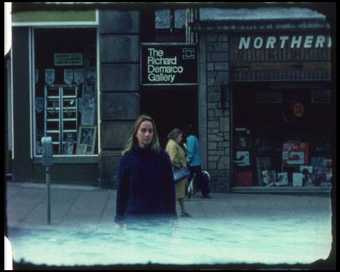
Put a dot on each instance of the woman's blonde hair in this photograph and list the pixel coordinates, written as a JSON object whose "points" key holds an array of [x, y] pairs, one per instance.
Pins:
{"points": [[132, 140]]}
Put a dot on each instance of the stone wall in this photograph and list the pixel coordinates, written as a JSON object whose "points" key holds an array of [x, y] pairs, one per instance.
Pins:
{"points": [[119, 38], [218, 110]]}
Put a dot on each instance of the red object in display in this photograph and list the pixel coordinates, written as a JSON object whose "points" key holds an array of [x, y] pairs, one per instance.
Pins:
{"points": [[295, 153], [244, 178]]}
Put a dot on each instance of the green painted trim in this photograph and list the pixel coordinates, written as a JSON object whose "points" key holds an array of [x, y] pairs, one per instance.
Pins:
{"points": [[54, 16]]}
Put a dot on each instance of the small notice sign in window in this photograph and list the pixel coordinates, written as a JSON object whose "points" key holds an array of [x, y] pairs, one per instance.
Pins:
{"points": [[68, 59]]}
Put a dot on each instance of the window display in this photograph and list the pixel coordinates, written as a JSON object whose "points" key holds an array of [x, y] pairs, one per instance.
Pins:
{"points": [[287, 152], [66, 98]]}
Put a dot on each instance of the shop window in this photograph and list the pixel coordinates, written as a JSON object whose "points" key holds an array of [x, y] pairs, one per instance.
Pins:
{"points": [[170, 25], [65, 95], [170, 19], [277, 139]]}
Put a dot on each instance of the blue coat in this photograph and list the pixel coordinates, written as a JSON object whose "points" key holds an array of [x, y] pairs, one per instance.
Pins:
{"points": [[145, 185], [193, 149]]}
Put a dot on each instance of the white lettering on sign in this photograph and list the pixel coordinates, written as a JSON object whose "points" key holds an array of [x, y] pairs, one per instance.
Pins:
{"points": [[293, 41], [296, 42], [160, 68], [283, 40]]}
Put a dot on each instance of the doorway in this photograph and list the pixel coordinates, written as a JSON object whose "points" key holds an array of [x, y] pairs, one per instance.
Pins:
{"points": [[170, 107]]}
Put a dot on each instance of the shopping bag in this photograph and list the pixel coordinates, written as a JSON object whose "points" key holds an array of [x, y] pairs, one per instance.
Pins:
{"points": [[180, 174]]}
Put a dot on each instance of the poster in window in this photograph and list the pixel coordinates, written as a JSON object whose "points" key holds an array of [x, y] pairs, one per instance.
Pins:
{"points": [[297, 179], [91, 75], [268, 177], [49, 76], [81, 149], [307, 172], [39, 149], [39, 104], [282, 179], [87, 107], [78, 75], [242, 158], [295, 153], [86, 136], [68, 76]]}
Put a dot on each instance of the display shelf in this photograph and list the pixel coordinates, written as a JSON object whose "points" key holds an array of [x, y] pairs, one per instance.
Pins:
{"points": [[54, 95]]}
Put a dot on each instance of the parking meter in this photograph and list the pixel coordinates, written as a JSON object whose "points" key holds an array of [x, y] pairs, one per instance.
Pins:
{"points": [[47, 161], [47, 151]]}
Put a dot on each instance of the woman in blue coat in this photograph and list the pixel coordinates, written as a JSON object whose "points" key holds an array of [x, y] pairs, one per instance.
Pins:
{"points": [[145, 181]]}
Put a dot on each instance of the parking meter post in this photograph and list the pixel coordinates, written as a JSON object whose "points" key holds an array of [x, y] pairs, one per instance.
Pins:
{"points": [[47, 156], [47, 176]]}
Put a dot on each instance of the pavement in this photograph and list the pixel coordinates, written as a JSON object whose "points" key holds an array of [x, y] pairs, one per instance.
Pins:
{"points": [[305, 220]]}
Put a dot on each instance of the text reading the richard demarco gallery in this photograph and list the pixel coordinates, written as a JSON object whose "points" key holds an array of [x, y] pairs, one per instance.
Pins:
{"points": [[162, 69]]}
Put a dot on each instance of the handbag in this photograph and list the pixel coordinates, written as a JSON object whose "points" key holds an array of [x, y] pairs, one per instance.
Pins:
{"points": [[180, 173]]}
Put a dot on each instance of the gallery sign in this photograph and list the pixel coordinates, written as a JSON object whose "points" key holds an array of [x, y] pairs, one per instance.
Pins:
{"points": [[168, 64]]}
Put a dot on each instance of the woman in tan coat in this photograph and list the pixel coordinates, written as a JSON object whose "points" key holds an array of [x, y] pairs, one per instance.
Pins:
{"points": [[178, 160]]}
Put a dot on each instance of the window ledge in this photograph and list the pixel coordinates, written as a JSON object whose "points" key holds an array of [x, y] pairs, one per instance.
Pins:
{"points": [[70, 160]]}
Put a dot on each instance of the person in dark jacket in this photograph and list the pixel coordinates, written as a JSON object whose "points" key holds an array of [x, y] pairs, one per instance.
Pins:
{"points": [[145, 182]]}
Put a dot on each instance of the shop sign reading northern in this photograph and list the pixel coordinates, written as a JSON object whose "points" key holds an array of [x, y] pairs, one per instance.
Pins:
{"points": [[285, 41], [288, 56], [168, 64]]}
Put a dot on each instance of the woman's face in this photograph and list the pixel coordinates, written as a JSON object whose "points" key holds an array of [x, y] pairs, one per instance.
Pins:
{"points": [[144, 134], [179, 138]]}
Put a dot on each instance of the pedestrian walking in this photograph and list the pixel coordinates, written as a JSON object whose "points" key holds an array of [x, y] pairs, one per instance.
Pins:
{"points": [[178, 160], [194, 163], [145, 182]]}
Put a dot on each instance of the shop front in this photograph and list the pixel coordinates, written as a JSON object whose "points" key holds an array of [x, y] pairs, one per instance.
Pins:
{"points": [[270, 101], [259, 92], [283, 111], [55, 93], [82, 75]]}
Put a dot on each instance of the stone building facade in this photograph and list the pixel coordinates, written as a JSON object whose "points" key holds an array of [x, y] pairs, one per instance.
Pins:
{"points": [[120, 34]]}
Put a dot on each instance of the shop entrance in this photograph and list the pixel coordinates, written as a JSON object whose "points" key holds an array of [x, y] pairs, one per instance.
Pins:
{"points": [[171, 107]]}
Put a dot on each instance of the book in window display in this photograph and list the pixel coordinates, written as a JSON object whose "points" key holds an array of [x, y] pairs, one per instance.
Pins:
{"points": [[262, 164], [81, 149], [86, 136], [268, 177], [307, 172], [282, 179], [297, 179], [68, 148], [69, 143], [322, 171]]}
